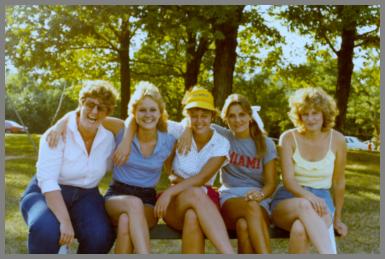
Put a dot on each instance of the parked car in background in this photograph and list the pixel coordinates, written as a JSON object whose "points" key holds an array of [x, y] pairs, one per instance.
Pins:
{"points": [[355, 143], [14, 127]]}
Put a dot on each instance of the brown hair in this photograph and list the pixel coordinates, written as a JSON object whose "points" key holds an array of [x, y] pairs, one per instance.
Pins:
{"points": [[255, 132], [99, 89], [143, 89]]}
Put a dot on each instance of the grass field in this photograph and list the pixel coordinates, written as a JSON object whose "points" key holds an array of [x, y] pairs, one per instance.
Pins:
{"points": [[361, 211]]}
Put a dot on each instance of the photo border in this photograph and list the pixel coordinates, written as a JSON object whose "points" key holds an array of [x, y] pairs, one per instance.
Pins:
{"points": [[196, 2]]}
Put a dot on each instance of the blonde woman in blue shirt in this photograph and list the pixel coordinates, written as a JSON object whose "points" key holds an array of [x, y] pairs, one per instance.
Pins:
{"points": [[313, 158], [131, 196], [191, 204]]}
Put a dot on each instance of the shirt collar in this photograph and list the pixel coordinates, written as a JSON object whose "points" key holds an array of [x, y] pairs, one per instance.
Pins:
{"points": [[211, 141], [158, 144], [72, 126]]}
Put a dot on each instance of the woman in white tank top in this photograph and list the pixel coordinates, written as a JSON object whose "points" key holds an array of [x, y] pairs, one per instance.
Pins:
{"points": [[313, 158]]}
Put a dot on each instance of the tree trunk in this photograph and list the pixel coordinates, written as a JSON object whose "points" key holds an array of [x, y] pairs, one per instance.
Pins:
{"points": [[345, 71], [125, 73], [225, 56], [194, 59]]}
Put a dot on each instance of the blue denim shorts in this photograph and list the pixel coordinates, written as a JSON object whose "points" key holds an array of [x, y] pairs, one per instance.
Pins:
{"points": [[147, 195], [226, 193], [282, 194]]}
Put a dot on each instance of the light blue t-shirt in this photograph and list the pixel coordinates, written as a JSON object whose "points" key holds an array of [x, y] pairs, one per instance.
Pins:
{"points": [[144, 171], [244, 169]]}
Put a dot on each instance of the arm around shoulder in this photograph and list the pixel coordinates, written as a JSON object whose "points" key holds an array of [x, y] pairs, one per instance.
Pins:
{"points": [[113, 124]]}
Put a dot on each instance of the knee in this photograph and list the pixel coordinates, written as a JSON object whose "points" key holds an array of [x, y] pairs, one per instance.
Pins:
{"points": [[134, 205], [241, 225], [123, 224], [97, 240], [253, 209], [298, 230], [192, 195], [304, 206], [191, 220], [191, 217], [46, 228]]}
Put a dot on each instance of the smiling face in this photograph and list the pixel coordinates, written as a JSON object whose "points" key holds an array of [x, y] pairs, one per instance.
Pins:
{"points": [[238, 120], [200, 120], [92, 112], [147, 113], [312, 119]]}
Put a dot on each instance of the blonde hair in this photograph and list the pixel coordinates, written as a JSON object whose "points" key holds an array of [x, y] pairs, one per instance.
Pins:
{"points": [[312, 98], [256, 133], [143, 89], [99, 89]]}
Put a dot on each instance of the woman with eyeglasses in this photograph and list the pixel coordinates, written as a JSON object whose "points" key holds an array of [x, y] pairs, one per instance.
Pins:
{"points": [[62, 201]]}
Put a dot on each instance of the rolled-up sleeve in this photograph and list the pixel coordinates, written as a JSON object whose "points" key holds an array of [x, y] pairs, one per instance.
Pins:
{"points": [[222, 148], [175, 128], [48, 165]]}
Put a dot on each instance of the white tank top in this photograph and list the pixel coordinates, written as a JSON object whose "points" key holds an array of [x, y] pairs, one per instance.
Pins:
{"points": [[315, 174]]}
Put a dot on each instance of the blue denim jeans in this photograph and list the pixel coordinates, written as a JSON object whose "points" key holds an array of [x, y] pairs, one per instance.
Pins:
{"points": [[90, 221]]}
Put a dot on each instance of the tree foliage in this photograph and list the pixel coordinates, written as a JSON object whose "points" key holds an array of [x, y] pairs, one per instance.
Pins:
{"points": [[223, 48], [342, 28]]}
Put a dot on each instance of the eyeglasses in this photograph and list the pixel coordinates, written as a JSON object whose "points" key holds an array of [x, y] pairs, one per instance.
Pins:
{"points": [[90, 105]]}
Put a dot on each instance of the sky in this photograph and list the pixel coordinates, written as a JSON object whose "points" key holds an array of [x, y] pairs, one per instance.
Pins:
{"points": [[294, 51]]}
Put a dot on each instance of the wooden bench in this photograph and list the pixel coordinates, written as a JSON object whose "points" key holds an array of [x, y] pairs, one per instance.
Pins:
{"points": [[162, 231]]}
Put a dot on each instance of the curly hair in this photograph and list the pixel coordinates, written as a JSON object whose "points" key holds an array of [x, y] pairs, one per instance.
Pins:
{"points": [[143, 89], [101, 90], [256, 133], [312, 98]]}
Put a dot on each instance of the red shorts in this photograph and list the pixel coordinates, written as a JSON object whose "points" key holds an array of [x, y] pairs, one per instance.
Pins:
{"points": [[210, 191], [213, 194]]}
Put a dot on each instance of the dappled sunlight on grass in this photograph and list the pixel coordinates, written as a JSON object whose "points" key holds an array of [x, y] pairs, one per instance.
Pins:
{"points": [[20, 144], [369, 195]]}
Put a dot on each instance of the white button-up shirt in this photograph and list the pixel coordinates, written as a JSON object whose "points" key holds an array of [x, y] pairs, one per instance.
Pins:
{"points": [[70, 164], [191, 164]]}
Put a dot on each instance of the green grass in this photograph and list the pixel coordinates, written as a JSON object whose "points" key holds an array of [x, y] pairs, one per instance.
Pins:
{"points": [[361, 211]]}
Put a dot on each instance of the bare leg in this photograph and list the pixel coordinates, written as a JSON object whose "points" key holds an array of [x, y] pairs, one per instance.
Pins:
{"points": [[208, 215], [298, 241], [256, 218], [244, 243], [287, 211], [137, 220], [193, 239], [123, 243]]}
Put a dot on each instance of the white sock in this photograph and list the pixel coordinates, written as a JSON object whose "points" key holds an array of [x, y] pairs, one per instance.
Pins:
{"points": [[332, 239]]}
